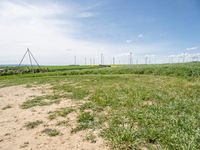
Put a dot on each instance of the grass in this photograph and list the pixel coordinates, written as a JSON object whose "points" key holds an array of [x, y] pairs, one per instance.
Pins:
{"points": [[62, 112], [41, 101], [63, 123], [71, 91], [150, 106], [85, 121], [34, 124], [79, 93], [90, 137], [51, 132], [11, 70], [90, 106]]}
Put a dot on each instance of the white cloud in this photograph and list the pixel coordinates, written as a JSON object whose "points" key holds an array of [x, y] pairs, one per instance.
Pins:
{"points": [[140, 35], [22, 11], [129, 41], [41, 27], [86, 15], [192, 48]]}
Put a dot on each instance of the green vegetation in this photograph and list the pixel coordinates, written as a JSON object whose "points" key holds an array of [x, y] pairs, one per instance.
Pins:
{"points": [[63, 123], [79, 93], [91, 106], [41, 101], [151, 106], [91, 138], [34, 124], [35, 69], [51, 132], [85, 121], [62, 112], [71, 91], [183, 69]]}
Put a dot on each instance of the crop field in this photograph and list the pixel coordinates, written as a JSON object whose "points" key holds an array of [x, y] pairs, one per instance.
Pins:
{"points": [[102, 107]]}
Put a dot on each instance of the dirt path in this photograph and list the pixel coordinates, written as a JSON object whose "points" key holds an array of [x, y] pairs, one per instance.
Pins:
{"points": [[14, 136]]}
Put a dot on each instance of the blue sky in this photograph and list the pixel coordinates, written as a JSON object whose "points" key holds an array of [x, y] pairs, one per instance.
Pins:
{"points": [[56, 30]]}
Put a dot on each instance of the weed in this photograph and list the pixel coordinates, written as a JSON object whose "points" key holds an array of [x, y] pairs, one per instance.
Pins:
{"points": [[51, 132], [63, 123], [90, 137], [70, 91], [91, 106], [85, 121], [41, 101], [34, 124], [62, 112], [79, 93]]}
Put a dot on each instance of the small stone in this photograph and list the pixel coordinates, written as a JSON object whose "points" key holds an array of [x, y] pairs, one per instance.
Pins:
{"points": [[26, 143], [7, 134]]}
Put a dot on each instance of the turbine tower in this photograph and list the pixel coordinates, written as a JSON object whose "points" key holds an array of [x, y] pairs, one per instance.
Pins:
{"points": [[102, 59], [113, 60], [131, 58]]}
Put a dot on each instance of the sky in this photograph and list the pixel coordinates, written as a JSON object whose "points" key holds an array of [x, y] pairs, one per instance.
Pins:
{"points": [[57, 30]]}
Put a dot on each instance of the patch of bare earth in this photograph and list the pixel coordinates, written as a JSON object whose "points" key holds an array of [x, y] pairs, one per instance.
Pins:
{"points": [[14, 135], [149, 102]]}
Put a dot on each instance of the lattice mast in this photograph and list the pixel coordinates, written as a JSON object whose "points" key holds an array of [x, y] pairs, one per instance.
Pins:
{"points": [[31, 58]]}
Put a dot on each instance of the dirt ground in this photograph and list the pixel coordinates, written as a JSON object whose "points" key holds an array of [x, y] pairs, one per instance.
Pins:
{"points": [[14, 135]]}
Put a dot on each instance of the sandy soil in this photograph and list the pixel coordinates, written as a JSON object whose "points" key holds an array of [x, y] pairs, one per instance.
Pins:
{"points": [[14, 136]]}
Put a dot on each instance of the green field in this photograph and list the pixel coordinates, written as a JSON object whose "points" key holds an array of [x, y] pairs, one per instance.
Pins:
{"points": [[134, 106]]}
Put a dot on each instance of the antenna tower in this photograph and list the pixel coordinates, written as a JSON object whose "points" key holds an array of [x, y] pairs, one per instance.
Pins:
{"points": [[31, 58]]}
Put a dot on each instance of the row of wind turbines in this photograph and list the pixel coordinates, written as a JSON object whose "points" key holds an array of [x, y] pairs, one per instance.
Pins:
{"points": [[147, 59], [127, 59]]}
